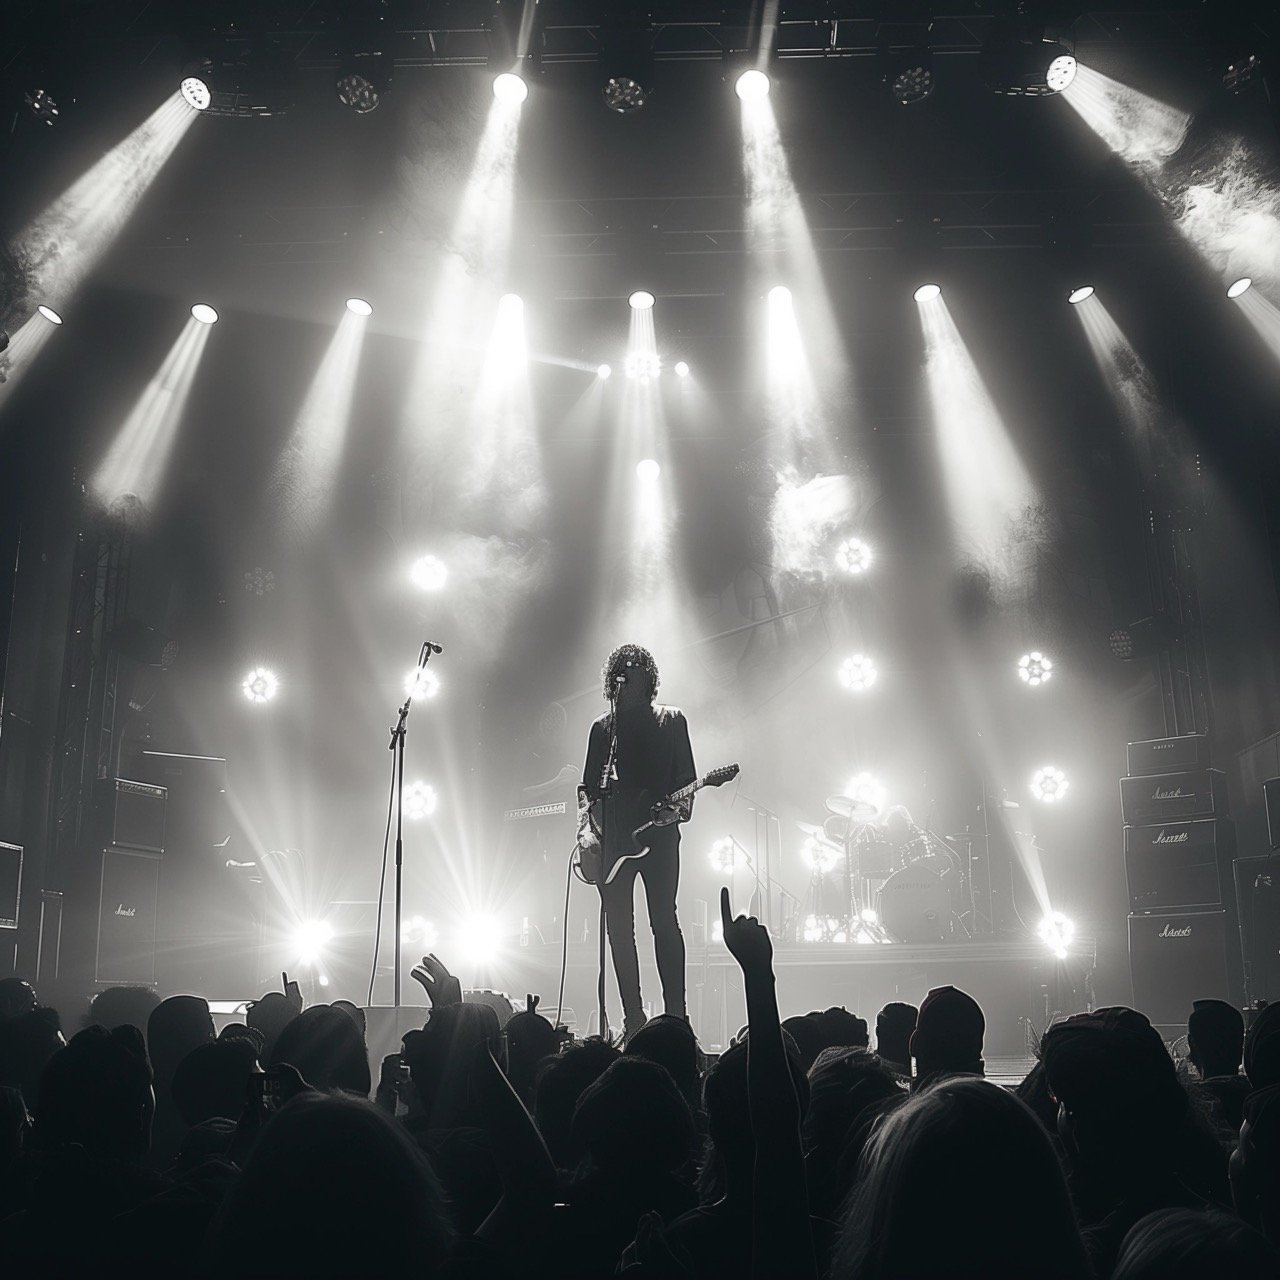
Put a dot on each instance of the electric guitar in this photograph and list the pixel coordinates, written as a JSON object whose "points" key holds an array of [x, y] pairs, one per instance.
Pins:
{"points": [[590, 858]]}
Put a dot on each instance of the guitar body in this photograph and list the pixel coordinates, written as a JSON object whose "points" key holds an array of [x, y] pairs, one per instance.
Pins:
{"points": [[598, 865]]}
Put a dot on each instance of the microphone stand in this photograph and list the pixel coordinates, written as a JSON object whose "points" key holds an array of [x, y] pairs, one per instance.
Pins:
{"points": [[396, 745], [608, 774]]}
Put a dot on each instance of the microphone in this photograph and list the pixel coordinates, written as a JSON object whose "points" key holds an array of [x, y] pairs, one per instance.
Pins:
{"points": [[431, 648], [619, 678]]}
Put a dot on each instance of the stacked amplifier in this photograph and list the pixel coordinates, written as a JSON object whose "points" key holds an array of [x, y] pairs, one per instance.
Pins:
{"points": [[130, 829], [1179, 844]]}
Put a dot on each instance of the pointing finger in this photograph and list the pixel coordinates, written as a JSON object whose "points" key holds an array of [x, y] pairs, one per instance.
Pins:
{"points": [[726, 911]]}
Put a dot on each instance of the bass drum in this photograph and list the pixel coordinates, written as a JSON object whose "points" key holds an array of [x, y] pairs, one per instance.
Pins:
{"points": [[915, 903]]}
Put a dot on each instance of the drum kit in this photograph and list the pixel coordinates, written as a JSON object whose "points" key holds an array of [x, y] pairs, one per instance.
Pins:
{"points": [[877, 877]]}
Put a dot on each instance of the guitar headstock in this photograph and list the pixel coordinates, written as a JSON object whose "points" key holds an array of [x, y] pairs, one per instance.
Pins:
{"points": [[726, 773]]}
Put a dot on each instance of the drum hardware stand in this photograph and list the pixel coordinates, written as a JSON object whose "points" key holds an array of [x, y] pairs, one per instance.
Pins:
{"points": [[860, 928]]}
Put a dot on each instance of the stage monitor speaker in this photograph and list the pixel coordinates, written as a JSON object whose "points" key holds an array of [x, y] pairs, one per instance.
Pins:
{"points": [[127, 917], [1258, 901], [1271, 799], [10, 884], [1168, 797], [1177, 864], [1176, 957], [1168, 755]]}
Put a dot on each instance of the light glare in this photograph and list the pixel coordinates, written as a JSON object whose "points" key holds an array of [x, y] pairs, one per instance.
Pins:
{"points": [[420, 800], [853, 556], [260, 685], [857, 673], [510, 88], [752, 85], [1049, 784], [1077, 296], [682, 369], [1057, 932], [421, 682], [726, 854], [310, 939], [819, 855], [359, 307], [927, 292], [429, 573], [641, 300], [1234, 290], [603, 371], [648, 469], [203, 312], [867, 789]]}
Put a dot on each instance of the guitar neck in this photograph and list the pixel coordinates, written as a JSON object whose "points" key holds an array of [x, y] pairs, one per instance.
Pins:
{"points": [[685, 792]]}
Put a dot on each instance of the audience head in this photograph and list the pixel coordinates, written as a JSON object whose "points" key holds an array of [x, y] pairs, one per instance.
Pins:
{"points": [[441, 1059], [1262, 1048], [948, 1035], [269, 1017], [960, 1181], [17, 996], [27, 1042], [1186, 1244], [1215, 1037], [354, 1012], [894, 1025], [334, 1188], [842, 1083], [834, 1028], [212, 1080], [174, 1028], [669, 1041], [122, 1006], [251, 1035], [530, 1039], [560, 1083], [1255, 1164], [326, 1047], [633, 1121], [1116, 1085], [96, 1094]]}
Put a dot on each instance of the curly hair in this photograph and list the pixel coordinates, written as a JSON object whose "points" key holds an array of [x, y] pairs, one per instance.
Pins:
{"points": [[629, 655]]}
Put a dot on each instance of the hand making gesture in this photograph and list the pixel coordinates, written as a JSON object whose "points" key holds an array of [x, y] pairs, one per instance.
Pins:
{"points": [[747, 939], [440, 985]]}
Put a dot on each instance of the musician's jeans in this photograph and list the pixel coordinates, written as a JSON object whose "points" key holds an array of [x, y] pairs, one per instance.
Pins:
{"points": [[660, 871]]}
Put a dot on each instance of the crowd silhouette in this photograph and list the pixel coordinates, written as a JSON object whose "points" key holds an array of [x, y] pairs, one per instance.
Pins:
{"points": [[145, 1142]]}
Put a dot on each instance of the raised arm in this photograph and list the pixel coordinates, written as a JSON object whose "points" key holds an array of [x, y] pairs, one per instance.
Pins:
{"points": [[781, 1243]]}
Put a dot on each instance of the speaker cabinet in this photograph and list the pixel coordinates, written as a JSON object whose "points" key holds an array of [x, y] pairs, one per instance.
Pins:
{"points": [[1176, 957], [1258, 900], [1178, 864], [127, 917], [1169, 797], [10, 884], [1168, 755]]}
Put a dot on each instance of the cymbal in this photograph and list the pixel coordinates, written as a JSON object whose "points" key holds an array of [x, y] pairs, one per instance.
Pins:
{"points": [[849, 807]]}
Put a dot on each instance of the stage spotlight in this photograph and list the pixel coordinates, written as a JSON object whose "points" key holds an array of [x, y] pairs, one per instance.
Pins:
{"points": [[49, 314], [626, 60], [641, 300], [642, 364], [1057, 932], [1019, 59], [359, 307], [260, 685], [195, 91], [819, 855], [867, 789], [1049, 784], [510, 88], [752, 85], [310, 939], [927, 292], [869, 915], [429, 573], [1237, 287], [913, 83], [203, 312], [857, 673], [648, 469], [853, 556], [363, 79], [725, 855], [682, 369], [779, 295], [480, 939], [420, 800], [1034, 668], [1144, 638], [603, 371], [418, 931], [1077, 296], [421, 682]]}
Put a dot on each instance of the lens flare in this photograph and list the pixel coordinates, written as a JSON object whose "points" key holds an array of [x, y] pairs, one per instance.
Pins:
{"points": [[420, 800], [857, 673], [641, 300], [1077, 296], [310, 938], [927, 292], [752, 85], [421, 682]]}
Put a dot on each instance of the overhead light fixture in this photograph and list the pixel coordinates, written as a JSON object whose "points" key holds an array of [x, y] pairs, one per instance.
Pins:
{"points": [[1078, 295], [641, 300], [927, 292], [682, 368], [49, 314], [1034, 669], [359, 307], [1237, 287], [1144, 638], [1020, 58], [241, 78], [510, 88], [626, 59], [752, 85], [41, 106], [260, 685], [203, 312], [1049, 784], [195, 89], [429, 573], [365, 68], [906, 60]]}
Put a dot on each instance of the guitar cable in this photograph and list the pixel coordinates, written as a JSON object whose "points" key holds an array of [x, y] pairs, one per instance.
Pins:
{"points": [[564, 934]]}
